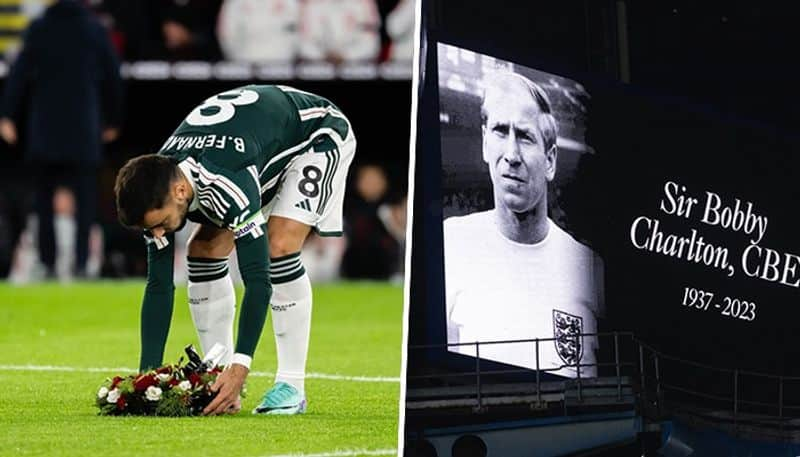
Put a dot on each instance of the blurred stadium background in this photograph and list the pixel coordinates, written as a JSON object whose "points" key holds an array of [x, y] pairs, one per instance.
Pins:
{"points": [[176, 53], [69, 335]]}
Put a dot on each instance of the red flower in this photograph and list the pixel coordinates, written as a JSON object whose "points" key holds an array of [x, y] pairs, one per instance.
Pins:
{"points": [[164, 370], [195, 379], [174, 382], [216, 370], [115, 382], [121, 402], [141, 383]]}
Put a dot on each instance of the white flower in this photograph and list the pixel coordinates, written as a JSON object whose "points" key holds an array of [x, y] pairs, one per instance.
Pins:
{"points": [[102, 392], [113, 396], [163, 377], [185, 385], [153, 393]]}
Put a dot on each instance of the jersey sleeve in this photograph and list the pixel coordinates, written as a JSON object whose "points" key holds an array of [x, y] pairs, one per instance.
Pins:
{"points": [[252, 252], [158, 300], [228, 195], [22, 72]]}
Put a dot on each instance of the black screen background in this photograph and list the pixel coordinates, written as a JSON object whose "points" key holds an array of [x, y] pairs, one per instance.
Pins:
{"points": [[705, 107]]}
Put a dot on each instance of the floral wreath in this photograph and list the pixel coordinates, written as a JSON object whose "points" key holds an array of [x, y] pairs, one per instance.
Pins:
{"points": [[183, 389]]}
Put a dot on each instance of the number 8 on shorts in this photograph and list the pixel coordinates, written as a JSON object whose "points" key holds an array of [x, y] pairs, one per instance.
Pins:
{"points": [[312, 191]]}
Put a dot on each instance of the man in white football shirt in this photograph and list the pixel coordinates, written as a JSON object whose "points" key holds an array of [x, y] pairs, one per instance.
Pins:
{"points": [[510, 272]]}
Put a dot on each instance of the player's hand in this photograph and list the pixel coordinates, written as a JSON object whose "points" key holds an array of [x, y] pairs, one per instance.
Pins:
{"points": [[228, 386], [8, 130], [110, 134]]}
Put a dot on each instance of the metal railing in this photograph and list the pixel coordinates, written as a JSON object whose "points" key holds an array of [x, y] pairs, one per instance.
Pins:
{"points": [[729, 395], [663, 384], [619, 366]]}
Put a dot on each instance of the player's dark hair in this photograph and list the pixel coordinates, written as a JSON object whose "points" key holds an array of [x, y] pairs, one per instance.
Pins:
{"points": [[142, 185]]}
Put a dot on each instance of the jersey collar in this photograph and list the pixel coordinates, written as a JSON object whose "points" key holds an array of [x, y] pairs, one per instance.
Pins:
{"points": [[186, 169]]}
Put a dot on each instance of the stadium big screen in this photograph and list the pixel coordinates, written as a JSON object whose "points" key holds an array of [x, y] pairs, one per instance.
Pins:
{"points": [[676, 219]]}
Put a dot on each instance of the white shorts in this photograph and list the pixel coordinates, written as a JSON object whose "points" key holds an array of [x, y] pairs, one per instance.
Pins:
{"points": [[313, 186]]}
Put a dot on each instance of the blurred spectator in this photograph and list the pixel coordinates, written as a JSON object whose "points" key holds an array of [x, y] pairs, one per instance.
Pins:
{"points": [[134, 35], [187, 28], [65, 210], [259, 30], [372, 252], [15, 186], [25, 267], [371, 183], [339, 30], [68, 74], [123, 253], [400, 27], [15, 204], [14, 18], [393, 216], [322, 257], [384, 7]]}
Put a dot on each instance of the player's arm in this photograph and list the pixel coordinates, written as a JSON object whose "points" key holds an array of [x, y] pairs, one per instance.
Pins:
{"points": [[252, 253], [232, 193], [110, 86], [157, 304], [17, 83]]}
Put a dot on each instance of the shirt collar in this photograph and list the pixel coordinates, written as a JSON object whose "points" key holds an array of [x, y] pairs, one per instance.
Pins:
{"points": [[186, 168]]}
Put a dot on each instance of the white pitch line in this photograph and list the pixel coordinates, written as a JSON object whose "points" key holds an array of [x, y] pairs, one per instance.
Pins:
{"points": [[60, 368], [260, 374], [337, 377], [344, 453]]}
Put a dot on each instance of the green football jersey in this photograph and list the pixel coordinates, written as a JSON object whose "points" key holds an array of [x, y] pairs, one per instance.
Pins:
{"points": [[249, 136], [234, 148]]}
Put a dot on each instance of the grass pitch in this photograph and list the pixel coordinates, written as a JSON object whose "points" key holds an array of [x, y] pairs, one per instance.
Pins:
{"points": [[59, 342]]}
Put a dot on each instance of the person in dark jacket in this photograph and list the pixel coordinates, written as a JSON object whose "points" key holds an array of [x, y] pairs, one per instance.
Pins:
{"points": [[372, 252], [187, 28], [66, 87]]}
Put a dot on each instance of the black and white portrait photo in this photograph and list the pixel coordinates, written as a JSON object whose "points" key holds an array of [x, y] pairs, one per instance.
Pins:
{"points": [[511, 137]]}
